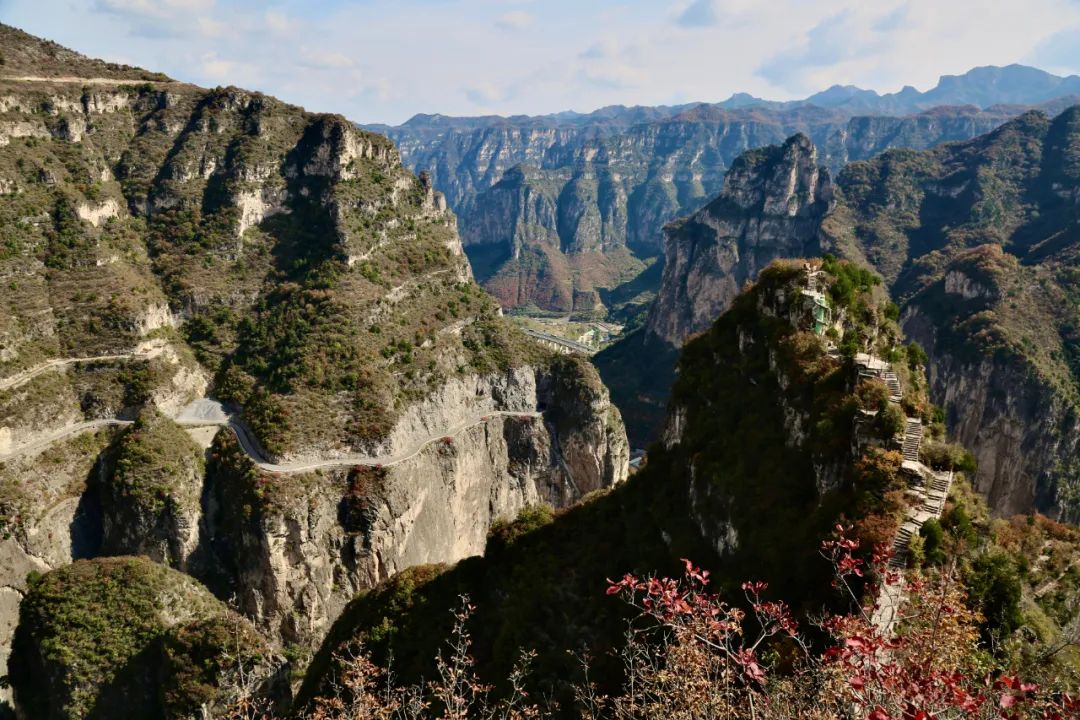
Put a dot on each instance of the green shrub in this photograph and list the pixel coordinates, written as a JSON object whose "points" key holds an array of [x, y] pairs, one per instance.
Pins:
{"points": [[916, 551], [891, 421], [933, 541], [957, 521], [994, 589], [916, 356], [89, 633], [504, 534], [947, 456]]}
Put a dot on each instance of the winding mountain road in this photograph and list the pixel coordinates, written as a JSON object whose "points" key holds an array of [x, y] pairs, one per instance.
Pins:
{"points": [[252, 451], [208, 412], [29, 374]]}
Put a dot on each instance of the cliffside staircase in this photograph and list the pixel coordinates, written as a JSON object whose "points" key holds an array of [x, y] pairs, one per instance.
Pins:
{"points": [[913, 434], [937, 493], [932, 486], [900, 545], [893, 383]]}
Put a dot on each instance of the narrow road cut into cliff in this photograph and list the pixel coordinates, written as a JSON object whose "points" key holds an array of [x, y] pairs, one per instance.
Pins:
{"points": [[206, 412]]}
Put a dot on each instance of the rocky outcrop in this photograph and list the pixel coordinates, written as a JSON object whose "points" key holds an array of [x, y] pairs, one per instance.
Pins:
{"points": [[151, 492], [771, 206], [125, 636], [296, 549], [984, 280]]}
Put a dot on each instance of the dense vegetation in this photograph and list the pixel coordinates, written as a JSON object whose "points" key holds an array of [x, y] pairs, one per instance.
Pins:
{"points": [[97, 637], [151, 457], [153, 487]]}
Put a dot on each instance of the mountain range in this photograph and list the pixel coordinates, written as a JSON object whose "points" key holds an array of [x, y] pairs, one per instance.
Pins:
{"points": [[564, 212]]}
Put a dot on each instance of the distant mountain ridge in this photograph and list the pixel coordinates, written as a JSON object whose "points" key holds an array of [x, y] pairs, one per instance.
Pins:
{"points": [[564, 211], [983, 87]]}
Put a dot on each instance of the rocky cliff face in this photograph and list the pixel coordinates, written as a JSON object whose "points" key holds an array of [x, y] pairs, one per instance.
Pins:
{"points": [[297, 548], [592, 191], [1007, 394], [166, 242], [972, 240], [49, 517], [1022, 431], [150, 487], [771, 205]]}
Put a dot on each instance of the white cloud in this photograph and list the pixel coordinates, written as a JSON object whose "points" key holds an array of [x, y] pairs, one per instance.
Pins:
{"points": [[884, 48], [163, 18], [277, 21], [599, 51], [1058, 53], [325, 60], [711, 13], [516, 20], [215, 67], [700, 13], [384, 60], [484, 94]]}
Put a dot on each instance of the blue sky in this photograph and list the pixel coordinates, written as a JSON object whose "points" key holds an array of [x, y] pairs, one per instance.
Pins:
{"points": [[384, 60]]}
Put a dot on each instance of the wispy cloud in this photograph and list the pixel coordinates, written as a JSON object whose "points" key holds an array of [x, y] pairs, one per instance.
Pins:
{"points": [[700, 13], [163, 18], [516, 20], [377, 60], [325, 60], [1058, 53], [835, 39], [278, 22]]}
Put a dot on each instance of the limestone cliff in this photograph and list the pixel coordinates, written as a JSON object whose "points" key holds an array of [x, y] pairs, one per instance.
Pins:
{"points": [[48, 517], [294, 549], [771, 205], [973, 240], [166, 242], [1006, 393]]}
